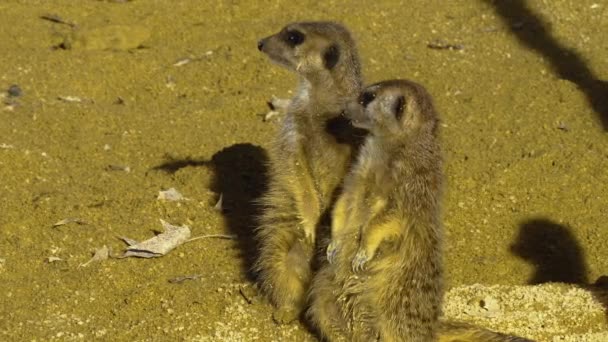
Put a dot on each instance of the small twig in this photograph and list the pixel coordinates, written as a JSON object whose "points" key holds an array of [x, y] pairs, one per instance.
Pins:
{"points": [[181, 279], [56, 19], [440, 45], [213, 236], [68, 220]]}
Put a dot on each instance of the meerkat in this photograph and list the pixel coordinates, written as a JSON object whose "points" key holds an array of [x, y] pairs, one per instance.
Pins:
{"points": [[384, 276], [309, 158], [384, 279]]}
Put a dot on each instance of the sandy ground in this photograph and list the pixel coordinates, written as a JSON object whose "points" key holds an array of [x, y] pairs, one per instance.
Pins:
{"points": [[117, 100]]}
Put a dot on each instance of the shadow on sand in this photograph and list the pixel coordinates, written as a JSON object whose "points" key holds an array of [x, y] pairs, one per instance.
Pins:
{"points": [[557, 256], [534, 33], [553, 250], [240, 179]]}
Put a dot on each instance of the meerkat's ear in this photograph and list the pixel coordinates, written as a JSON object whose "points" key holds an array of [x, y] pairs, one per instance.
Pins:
{"points": [[331, 56], [398, 107]]}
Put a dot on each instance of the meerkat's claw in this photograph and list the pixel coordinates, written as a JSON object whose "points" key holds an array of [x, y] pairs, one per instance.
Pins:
{"points": [[359, 261], [284, 315], [332, 251], [310, 236]]}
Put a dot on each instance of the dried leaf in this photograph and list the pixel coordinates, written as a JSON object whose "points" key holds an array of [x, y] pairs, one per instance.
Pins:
{"points": [[182, 61], [101, 254], [170, 195], [113, 167], [128, 241], [159, 245], [69, 220], [70, 99], [53, 259], [220, 202]]}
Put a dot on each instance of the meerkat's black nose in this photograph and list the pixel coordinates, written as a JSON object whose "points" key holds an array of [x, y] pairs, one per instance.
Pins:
{"points": [[261, 44]]}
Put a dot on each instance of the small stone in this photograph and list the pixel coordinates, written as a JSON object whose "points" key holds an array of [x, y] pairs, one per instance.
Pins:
{"points": [[562, 126], [170, 194], [491, 305], [14, 91]]}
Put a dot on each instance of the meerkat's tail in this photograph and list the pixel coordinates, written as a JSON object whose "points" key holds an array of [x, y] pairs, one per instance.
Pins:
{"points": [[463, 332], [283, 265]]}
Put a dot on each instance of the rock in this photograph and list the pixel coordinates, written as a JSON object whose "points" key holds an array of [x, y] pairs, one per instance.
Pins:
{"points": [[112, 37]]}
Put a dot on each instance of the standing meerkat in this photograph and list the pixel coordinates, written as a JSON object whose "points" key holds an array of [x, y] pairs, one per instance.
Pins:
{"points": [[309, 158], [385, 274], [384, 279]]}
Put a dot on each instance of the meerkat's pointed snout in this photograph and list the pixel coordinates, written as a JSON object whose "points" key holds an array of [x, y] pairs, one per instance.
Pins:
{"points": [[355, 110], [261, 44]]}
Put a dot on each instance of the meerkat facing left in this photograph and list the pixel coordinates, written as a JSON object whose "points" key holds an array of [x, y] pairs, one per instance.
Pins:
{"points": [[309, 158], [384, 279], [385, 275]]}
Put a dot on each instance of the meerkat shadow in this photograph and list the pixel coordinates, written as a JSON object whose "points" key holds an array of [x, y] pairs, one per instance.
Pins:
{"points": [[553, 250], [239, 179], [534, 33]]}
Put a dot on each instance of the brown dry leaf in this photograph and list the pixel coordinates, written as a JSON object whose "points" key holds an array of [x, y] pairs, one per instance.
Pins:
{"points": [[101, 254], [159, 245], [219, 204], [53, 259], [69, 220]]}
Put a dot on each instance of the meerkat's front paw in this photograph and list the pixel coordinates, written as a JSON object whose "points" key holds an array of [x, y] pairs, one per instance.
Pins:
{"points": [[332, 251], [278, 104], [277, 107], [285, 315], [359, 261], [310, 236]]}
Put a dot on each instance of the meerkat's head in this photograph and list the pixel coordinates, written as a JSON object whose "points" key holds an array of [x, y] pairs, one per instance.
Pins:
{"points": [[397, 108], [316, 50]]}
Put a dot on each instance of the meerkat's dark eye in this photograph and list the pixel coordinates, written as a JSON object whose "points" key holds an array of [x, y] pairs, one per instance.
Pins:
{"points": [[366, 97], [294, 38], [398, 107]]}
